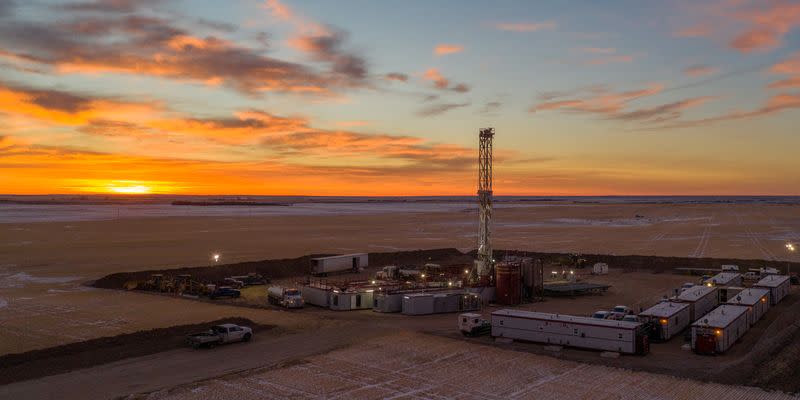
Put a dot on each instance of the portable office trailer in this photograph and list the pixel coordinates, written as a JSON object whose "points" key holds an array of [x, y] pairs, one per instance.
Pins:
{"points": [[755, 299], [778, 286], [667, 319], [567, 330], [701, 299], [316, 295], [351, 300], [387, 302], [442, 302], [725, 279], [718, 330], [345, 262]]}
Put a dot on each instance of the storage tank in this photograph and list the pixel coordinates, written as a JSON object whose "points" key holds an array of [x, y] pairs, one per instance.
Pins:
{"points": [[508, 282]]}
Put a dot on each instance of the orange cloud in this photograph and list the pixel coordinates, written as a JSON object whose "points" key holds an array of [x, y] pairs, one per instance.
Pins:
{"points": [[444, 49], [442, 83], [598, 102], [789, 67], [526, 26], [777, 103], [746, 25]]}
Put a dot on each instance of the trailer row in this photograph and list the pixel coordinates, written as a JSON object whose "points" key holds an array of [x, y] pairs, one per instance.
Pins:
{"points": [[715, 326], [409, 302]]}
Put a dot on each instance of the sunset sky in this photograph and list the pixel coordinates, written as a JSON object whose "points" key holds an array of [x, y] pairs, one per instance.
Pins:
{"points": [[386, 97]]}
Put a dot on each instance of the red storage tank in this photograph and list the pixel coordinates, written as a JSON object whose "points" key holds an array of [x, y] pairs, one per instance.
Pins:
{"points": [[508, 281]]}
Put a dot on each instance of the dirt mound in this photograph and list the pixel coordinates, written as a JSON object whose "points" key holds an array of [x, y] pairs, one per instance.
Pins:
{"points": [[61, 359], [282, 268], [293, 267]]}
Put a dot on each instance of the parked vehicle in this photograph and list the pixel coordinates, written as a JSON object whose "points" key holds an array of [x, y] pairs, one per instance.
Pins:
{"points": [[619, 312], [751, 276], [220, 334], [730, 268], [225, 291], [285, 297], [631, 318], [471, 324], [601, 314]]}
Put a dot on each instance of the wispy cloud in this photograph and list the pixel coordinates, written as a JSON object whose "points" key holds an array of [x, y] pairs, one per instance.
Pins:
{"points": [[525, 26], [396, 76], [700, 70], [445, 49], [442, 83], [746, 25], [790, 67], [438, 109]]}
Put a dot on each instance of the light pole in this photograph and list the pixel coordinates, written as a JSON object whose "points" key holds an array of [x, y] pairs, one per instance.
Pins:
{"points": [[791, 248]]}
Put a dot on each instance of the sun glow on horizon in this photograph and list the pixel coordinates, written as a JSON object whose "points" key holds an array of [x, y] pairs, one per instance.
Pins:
{"points": [[133, 189]]}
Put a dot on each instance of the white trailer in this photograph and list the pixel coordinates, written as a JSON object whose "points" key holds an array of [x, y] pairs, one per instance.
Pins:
{"points": [[345, 262], [701, 299], [725, 279], [778, 286], [755, 299], [718, 330], [387, 302], [667, 319], [567, 330], [351, 300]]}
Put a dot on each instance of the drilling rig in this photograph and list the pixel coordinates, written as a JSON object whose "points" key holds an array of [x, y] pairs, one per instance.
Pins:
{"points": [[484, 263]]}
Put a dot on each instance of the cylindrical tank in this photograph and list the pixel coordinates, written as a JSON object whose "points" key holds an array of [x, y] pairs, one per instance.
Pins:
{"points": [[508, 282]]}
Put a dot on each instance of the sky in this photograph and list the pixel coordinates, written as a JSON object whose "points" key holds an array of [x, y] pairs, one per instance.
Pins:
{"points": [[361, 97]]}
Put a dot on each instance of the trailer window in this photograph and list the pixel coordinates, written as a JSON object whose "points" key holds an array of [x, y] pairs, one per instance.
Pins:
{"points": [[620, 336]]}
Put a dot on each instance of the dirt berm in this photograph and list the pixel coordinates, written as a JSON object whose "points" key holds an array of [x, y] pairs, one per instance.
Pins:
{"points": [[69, 357], [292, 267]]}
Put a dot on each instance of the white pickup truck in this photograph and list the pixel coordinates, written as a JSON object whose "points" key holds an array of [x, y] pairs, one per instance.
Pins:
{"points": [[220, 334]]}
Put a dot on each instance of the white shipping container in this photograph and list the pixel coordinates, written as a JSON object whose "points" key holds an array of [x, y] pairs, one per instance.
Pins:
{"points": [[355, 300], [718, 330], [755, 299], [726, 279], [440, 302], [345, 262], [567, 330], [418, 304], [669, 318], [701, 299], [778, 286]]}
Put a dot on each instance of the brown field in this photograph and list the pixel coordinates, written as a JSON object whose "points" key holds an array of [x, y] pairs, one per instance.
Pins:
{"points": [[43, 302]]}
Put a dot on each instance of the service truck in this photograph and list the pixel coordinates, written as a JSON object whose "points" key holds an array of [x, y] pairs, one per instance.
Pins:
{"points": [[285, 297], [220, 334]]}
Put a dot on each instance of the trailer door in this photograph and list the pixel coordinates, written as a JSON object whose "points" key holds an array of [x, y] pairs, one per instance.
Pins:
{"points": [[356, 263]]}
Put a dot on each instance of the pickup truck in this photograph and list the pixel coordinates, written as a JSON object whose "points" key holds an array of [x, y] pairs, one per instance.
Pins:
{"points": [[224, 291], [220, 334], [471, 324]]}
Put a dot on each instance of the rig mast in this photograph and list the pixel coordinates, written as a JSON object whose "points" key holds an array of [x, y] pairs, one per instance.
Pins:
{"points": [[484, 264]]}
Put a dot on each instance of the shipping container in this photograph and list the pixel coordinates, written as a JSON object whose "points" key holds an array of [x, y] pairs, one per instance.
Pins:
{"points": [[318, 295], [667, 319], [725, 279], [718, 330], [755, 299], [442, 302], [566, 330], [778, 286], [701, 299], [345, 262], [351, 300], [600, 269], [387, 302]]}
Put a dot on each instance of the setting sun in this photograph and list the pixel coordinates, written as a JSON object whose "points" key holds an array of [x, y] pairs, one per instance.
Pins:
{"points": [[135, 189]]}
